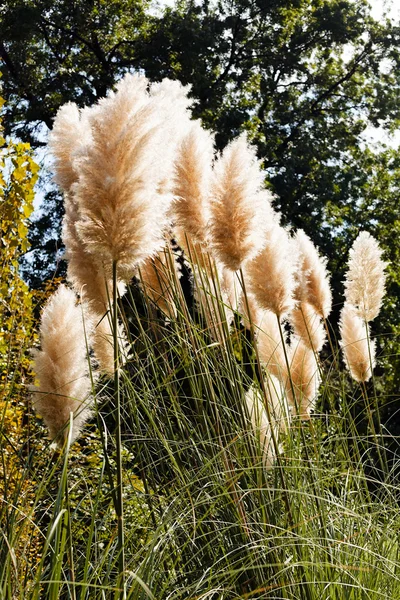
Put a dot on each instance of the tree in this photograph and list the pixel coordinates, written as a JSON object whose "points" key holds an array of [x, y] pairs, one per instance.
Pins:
{"points": [[18, 173]]}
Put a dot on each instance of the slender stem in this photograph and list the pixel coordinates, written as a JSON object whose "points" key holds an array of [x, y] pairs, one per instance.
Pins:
{"points": [[378, 440], [70, 545], [119, 503]]}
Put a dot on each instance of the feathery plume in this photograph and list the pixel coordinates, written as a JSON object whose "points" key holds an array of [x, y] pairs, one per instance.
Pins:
{"points": [[269, 342], [240, 207], [365, 279], [61, 366], [308, 326], [158, 281], [230, 289], [193, 170], [214, 300], [358, 349], [259, 417], [270, 275], [304, 378], [103, 345], [249, 310], [312, 277], [123, 213], [94, 286], [70, 135]]}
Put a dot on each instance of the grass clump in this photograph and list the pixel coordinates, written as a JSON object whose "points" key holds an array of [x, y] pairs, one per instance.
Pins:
{"points": [[226, 452]]}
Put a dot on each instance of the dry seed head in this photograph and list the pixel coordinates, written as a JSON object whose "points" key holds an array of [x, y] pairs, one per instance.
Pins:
{"points": [[308, 326], [270, 275], [157, 279], [259, 417], [269, 341], [358, 350], [61, 366], [67, 141], [312, 277], [304, 378], [122, 190], [193, 170], [365, 279], [240, 207]]}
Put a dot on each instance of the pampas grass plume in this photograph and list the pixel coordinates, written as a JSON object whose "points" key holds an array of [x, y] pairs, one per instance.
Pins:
{"points": [[308, 326], [312, 277], [261, 425], [193, 170], [270, 275], [70, 134], [61, 366], [303, 384], [239, 205], [365, 279], [358, 349], [122, 189]]}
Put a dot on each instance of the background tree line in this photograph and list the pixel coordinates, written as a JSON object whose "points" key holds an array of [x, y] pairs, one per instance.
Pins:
{"points": [[306, 79]]}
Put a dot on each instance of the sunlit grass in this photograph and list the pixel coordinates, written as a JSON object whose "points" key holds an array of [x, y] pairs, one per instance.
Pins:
{"points": [[203, 518]]}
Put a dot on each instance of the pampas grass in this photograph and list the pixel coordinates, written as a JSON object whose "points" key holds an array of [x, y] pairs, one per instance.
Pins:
{"points": [[63, 385], [364, 290], [365, 279], [264, 430], [304, 378], [240, 207], [193, 171], [270, 275], [200, 412], [122, 189], [308, 326], [312, 278], [358, 348], [312, 292]]}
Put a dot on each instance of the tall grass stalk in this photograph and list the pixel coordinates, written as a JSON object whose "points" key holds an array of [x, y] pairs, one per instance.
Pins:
{"points": [[118, 440]]}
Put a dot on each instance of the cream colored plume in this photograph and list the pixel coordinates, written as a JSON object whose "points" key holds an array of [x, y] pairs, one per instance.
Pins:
{"points": [[61, 366], [240, 207], [308, 326], [122, 190], [303, 384], [358, 350], [158, 277], [94, 286], [270, 275], [67, 141], [249, 310], [230, 289], [267, 336], [259, 417], [270, 347], [215, 300], [193, 170], [365, 279], [312, 278]]}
